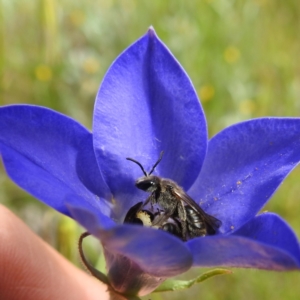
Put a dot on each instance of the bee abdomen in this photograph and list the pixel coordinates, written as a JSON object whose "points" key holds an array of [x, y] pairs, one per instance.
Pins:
{"points": [[172, 228]]}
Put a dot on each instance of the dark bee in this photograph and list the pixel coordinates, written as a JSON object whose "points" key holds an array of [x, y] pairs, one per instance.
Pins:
{"points": [[138, 216], [173, 200], [195, 225], [173, 228]]}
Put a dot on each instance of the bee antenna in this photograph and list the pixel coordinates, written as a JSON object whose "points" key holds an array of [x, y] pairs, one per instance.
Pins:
{"points": [[135, 161], [158, 161]]}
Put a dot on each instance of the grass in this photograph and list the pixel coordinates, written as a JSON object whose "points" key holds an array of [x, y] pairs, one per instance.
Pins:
{"points": [[242, 57]]}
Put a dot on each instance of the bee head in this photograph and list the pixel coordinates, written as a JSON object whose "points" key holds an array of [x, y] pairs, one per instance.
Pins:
{"points": [[148, 183]]}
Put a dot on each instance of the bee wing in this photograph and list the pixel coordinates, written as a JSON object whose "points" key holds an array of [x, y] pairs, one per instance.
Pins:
{"points": [[209, 220]]}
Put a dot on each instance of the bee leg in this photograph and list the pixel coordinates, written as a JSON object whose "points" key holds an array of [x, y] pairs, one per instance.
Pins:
{"points": [[182, 217], [184, 230], [160, 219], [150, 199]]}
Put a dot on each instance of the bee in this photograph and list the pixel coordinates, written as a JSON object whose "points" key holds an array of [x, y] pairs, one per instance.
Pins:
{"points": [[175, 204], [195, 225], [138, 216]]}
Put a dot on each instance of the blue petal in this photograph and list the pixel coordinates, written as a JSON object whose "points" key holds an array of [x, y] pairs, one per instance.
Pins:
{"points": [[147, 104], [266, 242], [79, 211], [271, 229], [154, 251], [134, 281], [50, 156], [245, 164]]}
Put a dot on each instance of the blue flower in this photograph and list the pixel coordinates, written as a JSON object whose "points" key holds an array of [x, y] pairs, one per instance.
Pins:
{"points": [[147, 104]]}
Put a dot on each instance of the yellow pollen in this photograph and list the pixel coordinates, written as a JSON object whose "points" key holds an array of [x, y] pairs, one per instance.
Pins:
{"points": [[144, 217]]}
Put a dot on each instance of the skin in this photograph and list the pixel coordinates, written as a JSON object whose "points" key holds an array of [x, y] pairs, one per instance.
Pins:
{"points": [[31, 269]]}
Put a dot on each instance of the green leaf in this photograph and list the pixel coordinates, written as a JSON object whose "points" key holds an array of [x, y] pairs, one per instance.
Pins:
{"points": [[175, 285]]}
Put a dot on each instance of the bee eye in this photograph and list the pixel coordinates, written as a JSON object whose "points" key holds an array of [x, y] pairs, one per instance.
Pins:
{"points": [[146, 184]]}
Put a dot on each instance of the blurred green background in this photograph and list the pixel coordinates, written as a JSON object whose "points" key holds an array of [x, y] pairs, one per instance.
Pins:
{"points": [[242, 56]]}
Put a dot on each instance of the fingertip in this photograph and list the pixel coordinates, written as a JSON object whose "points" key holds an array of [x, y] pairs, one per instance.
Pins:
{"points": [[31, 269]]}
